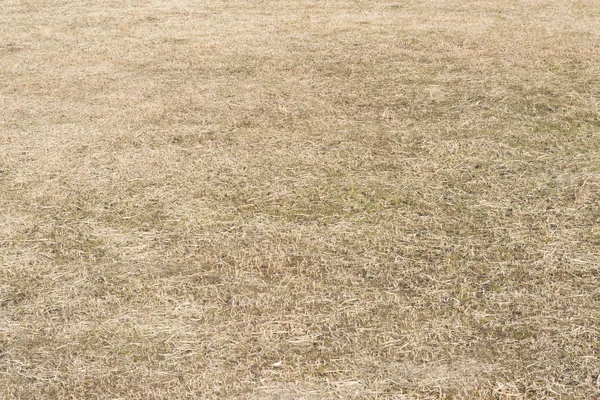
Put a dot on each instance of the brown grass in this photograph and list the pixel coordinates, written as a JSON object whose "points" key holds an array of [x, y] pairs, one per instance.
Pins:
{"points": [[394, 199]]}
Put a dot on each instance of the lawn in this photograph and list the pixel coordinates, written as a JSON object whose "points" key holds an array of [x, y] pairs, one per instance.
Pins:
{"points": [[278, 199]]}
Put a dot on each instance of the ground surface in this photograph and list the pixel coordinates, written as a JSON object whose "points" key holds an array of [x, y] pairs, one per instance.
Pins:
{"points": [[391, 199]]}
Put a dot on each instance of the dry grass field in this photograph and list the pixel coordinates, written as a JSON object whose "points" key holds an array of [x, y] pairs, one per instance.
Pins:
{"points": [[299, 199]]}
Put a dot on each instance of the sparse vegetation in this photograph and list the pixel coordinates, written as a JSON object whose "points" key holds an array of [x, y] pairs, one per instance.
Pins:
{"points": [[300, 199]]}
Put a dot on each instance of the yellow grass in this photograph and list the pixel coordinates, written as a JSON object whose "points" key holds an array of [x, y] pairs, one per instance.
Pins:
{"points": [[299, 199]]}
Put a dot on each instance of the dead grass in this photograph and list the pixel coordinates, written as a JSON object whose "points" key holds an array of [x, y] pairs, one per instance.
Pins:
{"points": [[394, 199]]}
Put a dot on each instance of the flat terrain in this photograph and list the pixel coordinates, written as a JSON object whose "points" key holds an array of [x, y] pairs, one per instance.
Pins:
{"points": [[299, 199]]}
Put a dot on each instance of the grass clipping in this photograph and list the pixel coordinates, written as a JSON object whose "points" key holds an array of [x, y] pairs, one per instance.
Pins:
{"points": [[299, 199]]}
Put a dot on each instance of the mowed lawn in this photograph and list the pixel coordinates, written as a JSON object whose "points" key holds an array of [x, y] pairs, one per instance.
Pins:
{"points": [[309, 199]]}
